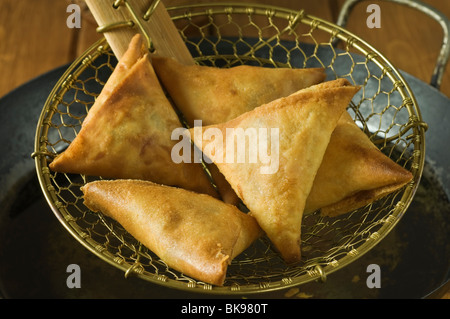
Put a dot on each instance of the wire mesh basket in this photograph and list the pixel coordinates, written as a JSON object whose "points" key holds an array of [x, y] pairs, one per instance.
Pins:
{"points": [[223, 36]]}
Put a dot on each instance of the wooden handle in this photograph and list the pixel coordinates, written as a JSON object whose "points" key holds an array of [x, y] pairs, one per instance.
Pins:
{"points": [[119, 21]]}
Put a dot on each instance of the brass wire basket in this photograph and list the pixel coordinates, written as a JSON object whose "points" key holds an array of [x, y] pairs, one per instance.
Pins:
{"points": [[226, 35]]}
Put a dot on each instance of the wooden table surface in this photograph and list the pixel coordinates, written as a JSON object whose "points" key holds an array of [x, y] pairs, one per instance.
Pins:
{"points": [[34, 37]]}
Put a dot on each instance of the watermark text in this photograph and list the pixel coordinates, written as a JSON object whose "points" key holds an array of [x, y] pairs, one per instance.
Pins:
{"points": [[239, 145]]}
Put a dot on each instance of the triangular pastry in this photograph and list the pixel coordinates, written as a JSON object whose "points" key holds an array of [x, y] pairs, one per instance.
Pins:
{"points": [[136, 50], [217, 95], [353, 173], [305, 121], [193, 233], [127, 132]]}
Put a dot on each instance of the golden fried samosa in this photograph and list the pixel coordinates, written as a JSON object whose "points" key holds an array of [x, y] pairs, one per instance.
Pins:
{"points": [[275, 188], [136, 50], [217, 95], [353, 173], [127, 132], [193, 233]]}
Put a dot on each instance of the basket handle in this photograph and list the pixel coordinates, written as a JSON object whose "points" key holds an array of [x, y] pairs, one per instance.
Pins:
{"points": [[442, 60], [120, 20]]}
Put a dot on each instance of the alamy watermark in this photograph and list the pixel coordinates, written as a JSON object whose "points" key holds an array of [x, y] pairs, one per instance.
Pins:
{"points": [[374, 279], [74, 18], [74, 279], [249, 145], [374, 18]]}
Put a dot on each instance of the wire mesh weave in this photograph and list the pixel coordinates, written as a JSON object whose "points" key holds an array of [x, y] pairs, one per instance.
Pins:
{"points": [[223, 36]]}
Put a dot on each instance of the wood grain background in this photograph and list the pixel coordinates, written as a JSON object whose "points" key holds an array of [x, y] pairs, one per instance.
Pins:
{"points": [[34, 37]]}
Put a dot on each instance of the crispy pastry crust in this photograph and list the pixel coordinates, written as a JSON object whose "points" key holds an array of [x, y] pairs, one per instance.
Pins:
{"points": [[217, 95], [127, 132], [306, 120], [193, 233], [353, 173]]}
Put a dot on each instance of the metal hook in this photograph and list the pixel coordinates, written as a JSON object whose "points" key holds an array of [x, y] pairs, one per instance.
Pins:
{"points": [[151, 9], [136, 20]]}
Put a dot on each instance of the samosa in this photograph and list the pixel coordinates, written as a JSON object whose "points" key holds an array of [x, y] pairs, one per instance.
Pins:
{"points": [[216, 95], [127, 131], [193, 233], [353, 173], [304, 122]]}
